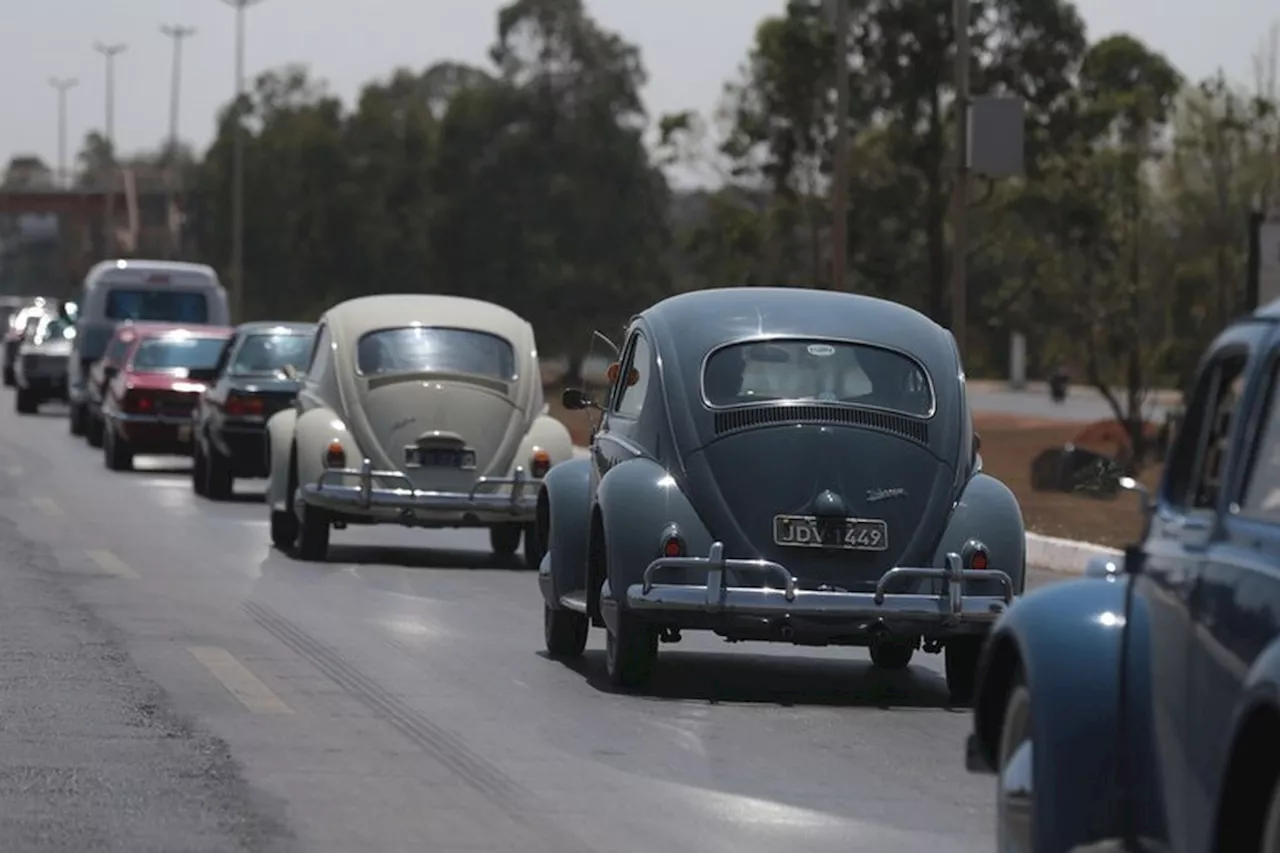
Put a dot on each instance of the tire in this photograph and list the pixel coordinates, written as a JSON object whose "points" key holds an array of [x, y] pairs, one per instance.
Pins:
{"points": [[1271, 829], [75, 420], [962, 654], [117, 455], [92, 430], [892, 654], [504, 539], [1015, 779], [219, 478], [198, 474], [9, 379], [534, 548], [630, 655], [565, 632], [26, 402], [313, 535], [284, 529]]}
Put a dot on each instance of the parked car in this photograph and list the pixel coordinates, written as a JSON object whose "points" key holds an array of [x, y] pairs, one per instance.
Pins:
{"points": [[41, 372], [1134, 708], [417, 410], [148, 404], [256, 377], [22, 324], [101, 372], [142, 291], [780, 464]]}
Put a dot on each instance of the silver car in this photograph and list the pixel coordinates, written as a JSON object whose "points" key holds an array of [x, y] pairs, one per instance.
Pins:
{"points": [[40, 368]]}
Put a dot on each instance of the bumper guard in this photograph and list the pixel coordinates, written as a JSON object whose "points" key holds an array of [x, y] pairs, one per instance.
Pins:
{"points": [[951, 608], [398, 494]]}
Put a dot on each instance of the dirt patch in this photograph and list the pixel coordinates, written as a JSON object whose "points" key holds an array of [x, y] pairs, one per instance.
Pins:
{"points": [[1009, 443]]}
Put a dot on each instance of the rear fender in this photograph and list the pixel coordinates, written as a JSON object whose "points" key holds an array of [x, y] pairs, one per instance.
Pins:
{"points": [[547, 434], [987, 511], [564, 524], [1066, 639], [280, 427], [638, 501], [312, 433]]}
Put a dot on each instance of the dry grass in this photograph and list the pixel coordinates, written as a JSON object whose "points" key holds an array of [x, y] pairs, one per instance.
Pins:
{"points": [[1008, 446]]}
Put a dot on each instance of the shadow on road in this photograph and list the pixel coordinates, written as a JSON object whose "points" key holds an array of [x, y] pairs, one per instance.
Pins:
{"points": [[788, 682], [423, 558]]}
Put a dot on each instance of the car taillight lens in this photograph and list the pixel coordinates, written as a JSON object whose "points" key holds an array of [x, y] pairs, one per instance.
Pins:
{"points": [[541, 463], [240, 406], [673, 547], [978, 560], [334, 455], [139, 402]]}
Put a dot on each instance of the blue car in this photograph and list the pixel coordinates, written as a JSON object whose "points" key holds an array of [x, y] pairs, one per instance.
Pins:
{"points": [[1138, 708]]}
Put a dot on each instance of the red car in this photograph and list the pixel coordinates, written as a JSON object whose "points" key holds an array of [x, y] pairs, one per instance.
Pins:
{"points": [[102, 372], [148, 404]]}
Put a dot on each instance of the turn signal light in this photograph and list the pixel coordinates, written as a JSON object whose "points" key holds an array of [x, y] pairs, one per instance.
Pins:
{"points": [[334, 455], [541, 463], [239, 406]]}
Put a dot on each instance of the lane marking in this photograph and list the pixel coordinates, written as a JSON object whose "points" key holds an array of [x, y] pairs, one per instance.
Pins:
{"points": [[239, 681], [48, 506], [112, 565]]}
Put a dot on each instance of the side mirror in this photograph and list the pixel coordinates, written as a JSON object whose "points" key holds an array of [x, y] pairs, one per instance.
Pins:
{"points": [[576, 400]]}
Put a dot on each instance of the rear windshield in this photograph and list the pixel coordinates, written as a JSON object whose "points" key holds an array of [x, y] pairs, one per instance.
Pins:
{"points": [[267, 355], [172, 353], [830, 371], [164, 306], [422, 348]]}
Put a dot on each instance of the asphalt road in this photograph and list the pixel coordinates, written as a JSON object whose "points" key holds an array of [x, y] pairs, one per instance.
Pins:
{"points": [[173, 684]]}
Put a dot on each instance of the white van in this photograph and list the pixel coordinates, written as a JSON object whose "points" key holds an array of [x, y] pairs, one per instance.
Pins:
{"points": [[141, 291]]}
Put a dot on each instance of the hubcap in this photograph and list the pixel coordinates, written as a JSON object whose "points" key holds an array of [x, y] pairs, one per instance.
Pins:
{"points": [[1015, 793]]}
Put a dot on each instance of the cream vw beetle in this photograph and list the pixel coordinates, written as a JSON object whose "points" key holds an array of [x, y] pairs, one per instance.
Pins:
{"points": [[419, 410]]}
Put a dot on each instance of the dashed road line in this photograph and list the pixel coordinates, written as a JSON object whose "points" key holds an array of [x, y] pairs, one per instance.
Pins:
{"points": [[111, 564], [239, 681], [48, 506]]}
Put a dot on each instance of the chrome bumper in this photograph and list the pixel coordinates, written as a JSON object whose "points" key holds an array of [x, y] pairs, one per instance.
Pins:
{"points": [[404, 501], [157, 420], [951, 608]]}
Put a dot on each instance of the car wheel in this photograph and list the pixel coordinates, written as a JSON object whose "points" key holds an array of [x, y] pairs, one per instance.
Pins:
{"points": [[284, 529], [962, 654], [197, 470], [75, 420], [26, 402], [534, 549], [892, 654], [1015, 780], [116, 453], [219, 477], [631, 654], [313, 535], [9, 379], [565, 632], [93, 429], [504, 539], [1271, 830]]}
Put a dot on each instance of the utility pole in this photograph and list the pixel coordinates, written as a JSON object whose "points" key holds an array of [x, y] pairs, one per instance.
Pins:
{"points": [[109, 53], [840, 172], [62, 85], [237, 179], [960, 200], [177, 33]]}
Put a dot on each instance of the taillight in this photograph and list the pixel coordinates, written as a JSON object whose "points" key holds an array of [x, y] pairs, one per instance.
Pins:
{"points": [[139, 402], [975, 556], [541, 463], [241, 406], [334, 455], [672, 542]]}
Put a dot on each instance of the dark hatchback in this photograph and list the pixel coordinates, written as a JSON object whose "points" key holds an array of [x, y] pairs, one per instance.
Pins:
{"points": [[255, 379]]}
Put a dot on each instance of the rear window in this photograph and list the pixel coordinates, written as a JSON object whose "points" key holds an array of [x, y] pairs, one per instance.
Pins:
{"points": [[174, 353], [165, 306], [267, 355], [829, 371], [436, 350]]}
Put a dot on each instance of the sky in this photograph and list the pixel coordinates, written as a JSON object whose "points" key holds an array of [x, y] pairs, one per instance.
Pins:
{"points": [[690, 47]]}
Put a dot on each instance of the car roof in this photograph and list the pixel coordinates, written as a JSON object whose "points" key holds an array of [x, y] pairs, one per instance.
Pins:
{"points": [[194, 330], [260, 327], [699, 321], [149, 265], [363, 314]]}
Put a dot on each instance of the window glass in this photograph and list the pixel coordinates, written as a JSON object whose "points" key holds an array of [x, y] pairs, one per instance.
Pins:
{"points": [[430, 349], [829, 371], [164, 306], [177, 353], [1262, 487], [268, 354], [1199, 460], [635, 382]]}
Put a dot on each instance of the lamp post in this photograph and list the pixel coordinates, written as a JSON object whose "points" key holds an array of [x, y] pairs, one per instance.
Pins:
{"points": [[840, 170], [109, 53], [62, 85], [178, 34]]}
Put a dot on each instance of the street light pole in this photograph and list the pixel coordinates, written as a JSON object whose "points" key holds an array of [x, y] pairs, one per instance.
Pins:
{"points": [[237, 179], [960, 200], [840, 172], [177, 33], [109, 53], [62, 85]]}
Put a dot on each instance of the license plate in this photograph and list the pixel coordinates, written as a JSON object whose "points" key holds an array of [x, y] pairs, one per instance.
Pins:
{"points": [[847, 534], [439, 457]]}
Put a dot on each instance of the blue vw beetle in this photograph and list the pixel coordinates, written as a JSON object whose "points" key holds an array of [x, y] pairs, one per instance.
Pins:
{"points": [[779, 464], [1135, 710]]}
